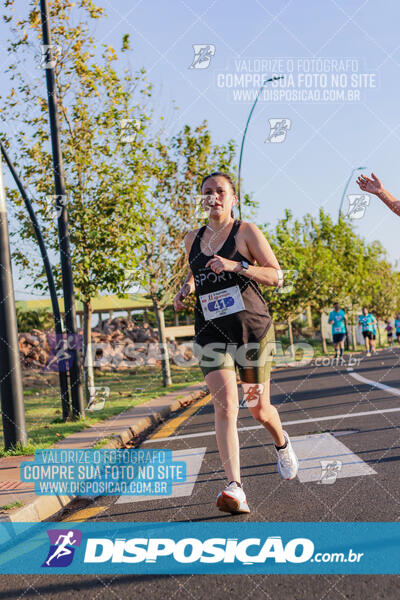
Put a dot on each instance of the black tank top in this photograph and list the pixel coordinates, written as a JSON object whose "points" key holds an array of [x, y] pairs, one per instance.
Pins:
{"points": [[247, 325]]}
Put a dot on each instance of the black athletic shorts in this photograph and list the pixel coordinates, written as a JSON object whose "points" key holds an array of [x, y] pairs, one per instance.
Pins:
{"points": [[369, 335], [338, 337], [254, 363]]}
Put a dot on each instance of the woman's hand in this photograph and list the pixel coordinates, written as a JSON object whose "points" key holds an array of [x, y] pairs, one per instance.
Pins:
{"points": [[219, 264], [373, 185], [180, 296]]}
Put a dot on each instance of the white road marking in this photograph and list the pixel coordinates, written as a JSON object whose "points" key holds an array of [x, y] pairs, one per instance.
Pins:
{"points": [[297, 422], [360, 378], [377, 384], [193, 459], [344, 432], [312, 449]]}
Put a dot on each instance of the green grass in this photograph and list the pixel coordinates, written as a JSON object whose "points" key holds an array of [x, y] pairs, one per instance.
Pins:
{"points": [[43, 405], [12, 505], [101, 443]]}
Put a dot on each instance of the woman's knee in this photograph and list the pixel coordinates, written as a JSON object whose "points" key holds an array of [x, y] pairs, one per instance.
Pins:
{"points": [[223, 387], [225, 407], [263, 414], [261, 408]]}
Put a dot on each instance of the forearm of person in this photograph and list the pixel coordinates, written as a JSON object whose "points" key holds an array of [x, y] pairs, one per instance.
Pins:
{"points": [[390, 201], [263, 275], [190, 281]]}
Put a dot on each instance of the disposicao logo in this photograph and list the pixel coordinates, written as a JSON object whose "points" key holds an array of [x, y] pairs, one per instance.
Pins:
{"points": [[62, 547], [190, 550]]}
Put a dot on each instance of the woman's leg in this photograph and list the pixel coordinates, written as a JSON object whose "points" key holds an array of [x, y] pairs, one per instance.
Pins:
{"points": [[367, 343], [223, 387], [256, 368], [257, 397]]}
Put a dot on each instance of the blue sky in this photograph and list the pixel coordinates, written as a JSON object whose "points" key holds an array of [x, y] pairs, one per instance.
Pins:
{"points": [[326, 139]]}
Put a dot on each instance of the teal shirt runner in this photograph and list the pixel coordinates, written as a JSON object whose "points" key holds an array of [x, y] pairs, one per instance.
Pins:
{"points": [[338, 325], [366, 322]]}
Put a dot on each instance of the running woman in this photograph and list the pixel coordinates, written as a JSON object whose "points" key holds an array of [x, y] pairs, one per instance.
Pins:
{"points": [[233, 328], [337, 318], [397, 326], [367, 322], [389, 332], [374, 186]]}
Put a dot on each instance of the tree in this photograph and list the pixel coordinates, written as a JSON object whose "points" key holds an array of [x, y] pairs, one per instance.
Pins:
{"points": [[34, 319], [103, 119], [348, 253], [289, 247], [396, 291], [320, 259], [332, 263]]}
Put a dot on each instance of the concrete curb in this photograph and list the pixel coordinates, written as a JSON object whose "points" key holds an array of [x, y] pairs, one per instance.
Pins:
{"points": [[144, 425], [39, 508]]}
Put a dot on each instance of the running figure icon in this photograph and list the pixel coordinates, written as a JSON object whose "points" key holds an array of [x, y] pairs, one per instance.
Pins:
{"points": [[62, 550]]}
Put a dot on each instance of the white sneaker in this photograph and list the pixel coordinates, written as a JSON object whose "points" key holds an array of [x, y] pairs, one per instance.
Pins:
{"points": [[232, 499], [288, 465]]}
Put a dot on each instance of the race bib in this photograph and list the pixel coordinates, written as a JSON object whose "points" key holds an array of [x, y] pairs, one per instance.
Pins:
{"points": [[221, 303], [366, 326], [337, 329]]}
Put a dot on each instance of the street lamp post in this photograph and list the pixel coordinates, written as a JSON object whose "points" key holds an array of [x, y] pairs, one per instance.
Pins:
{"points": [[62, 364], [244, 136], [63, 234], [11, 391], [347, 185]]}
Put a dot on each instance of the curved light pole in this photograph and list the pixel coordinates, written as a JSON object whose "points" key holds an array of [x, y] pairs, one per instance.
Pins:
{"points": [[62, 364], [346, 186], [244, 136], [78, 410]]}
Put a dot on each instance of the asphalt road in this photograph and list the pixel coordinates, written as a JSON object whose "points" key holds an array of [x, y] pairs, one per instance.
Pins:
{"points": [[311, 400]]}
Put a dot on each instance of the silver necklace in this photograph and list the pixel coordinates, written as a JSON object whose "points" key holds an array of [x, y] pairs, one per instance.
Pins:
{"points": [[214, 234]]}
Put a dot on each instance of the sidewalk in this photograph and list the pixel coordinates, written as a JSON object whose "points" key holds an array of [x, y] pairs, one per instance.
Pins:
{"points": [[127, 426]]}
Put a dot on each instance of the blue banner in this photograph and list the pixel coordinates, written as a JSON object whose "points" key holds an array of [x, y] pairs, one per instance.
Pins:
{"points": [[191, 548], [89, 472]]}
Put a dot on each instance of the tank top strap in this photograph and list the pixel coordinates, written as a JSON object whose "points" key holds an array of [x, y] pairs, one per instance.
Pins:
{"points": [[200, 232], [195, 249], [230, 240], [235, 227]]}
